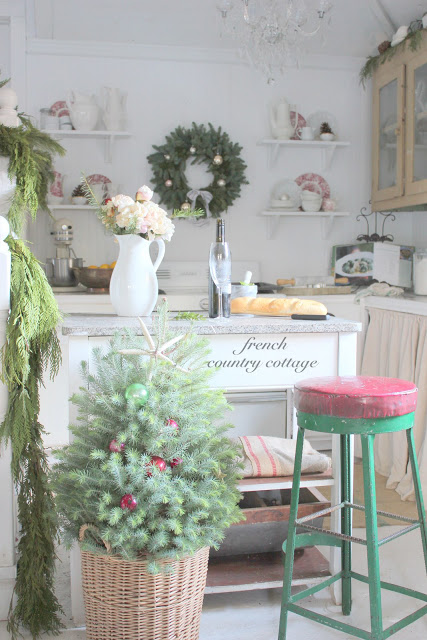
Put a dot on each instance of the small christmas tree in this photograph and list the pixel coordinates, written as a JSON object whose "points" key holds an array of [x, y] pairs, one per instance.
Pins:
{"points": [[149, 465]]}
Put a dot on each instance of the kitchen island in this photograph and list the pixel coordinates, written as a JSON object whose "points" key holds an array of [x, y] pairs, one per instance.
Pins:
{"points": [[258, 360]]}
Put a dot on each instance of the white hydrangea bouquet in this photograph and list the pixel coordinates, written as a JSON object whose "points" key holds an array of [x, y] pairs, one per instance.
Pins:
{"points": [[123, 215]]}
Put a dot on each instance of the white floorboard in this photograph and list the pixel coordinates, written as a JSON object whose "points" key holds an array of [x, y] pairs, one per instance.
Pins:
{"points": [[255, 615]]}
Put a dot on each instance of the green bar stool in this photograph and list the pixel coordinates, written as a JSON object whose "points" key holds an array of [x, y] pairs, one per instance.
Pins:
{"points": [[346, 406]]}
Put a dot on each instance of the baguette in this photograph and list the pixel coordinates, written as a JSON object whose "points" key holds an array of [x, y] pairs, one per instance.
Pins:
{"points": [[277, 306]]}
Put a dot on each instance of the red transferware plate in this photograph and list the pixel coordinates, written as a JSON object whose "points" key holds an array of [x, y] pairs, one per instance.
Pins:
{"points": [[314, 182], [301, 123], [59, 108], [97, 178]]}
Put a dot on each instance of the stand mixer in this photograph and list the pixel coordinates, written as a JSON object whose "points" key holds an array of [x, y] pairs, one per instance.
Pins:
{"points": [[59, 270]]}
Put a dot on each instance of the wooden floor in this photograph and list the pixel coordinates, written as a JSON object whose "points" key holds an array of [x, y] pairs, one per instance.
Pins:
{"points": [[387, 499]]}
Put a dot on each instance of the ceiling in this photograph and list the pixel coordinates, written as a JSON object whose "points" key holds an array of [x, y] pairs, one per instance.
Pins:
{"points": [[356, 27]]}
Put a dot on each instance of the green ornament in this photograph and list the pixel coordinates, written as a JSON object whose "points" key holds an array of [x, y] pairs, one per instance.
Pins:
{"points": [[137, 393]]}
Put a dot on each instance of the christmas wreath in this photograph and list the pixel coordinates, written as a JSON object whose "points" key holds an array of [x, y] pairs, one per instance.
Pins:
{"points": [[200, 144]]}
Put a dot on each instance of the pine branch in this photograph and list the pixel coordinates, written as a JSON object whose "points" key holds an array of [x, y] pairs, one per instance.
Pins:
{"points": [[31, 349]]}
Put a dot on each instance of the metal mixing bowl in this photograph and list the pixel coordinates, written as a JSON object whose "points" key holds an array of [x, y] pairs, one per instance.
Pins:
{"points": [[96, 280]]}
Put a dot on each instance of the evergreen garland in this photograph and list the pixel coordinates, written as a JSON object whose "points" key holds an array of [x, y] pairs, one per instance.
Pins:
{"points": [[31, 348], [177, 509], [413, 40], [30, 154], [170, 159]]}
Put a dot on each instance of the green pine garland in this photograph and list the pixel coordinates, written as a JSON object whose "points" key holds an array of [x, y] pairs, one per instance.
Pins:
{"points": [[30, 154], [31, 348], [170, 159], [178, 510], [413, 40]]}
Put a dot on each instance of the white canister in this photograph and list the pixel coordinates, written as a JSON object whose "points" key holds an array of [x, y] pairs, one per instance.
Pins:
{"points": [[420, 272]]}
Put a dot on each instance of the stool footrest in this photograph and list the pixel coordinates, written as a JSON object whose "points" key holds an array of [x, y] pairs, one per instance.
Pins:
{"points": [[349, 629], [333, 534], [315, 588], [302, 522], [329, 622]]}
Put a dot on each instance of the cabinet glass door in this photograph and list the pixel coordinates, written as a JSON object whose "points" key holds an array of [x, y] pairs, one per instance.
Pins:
{"points": [[388, 134], [416, 125]]}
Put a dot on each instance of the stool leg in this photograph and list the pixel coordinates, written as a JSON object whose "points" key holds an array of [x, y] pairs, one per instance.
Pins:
{"points": [[418, 492], [290, 543], [346, 523], [372, 536]]}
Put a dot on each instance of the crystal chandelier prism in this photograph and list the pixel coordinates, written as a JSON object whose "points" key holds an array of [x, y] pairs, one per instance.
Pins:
{"points": [[271, 33]]}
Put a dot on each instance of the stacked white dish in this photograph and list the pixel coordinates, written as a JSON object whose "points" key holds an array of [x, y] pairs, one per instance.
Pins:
{"points": [[286, 196], [310, 200]]}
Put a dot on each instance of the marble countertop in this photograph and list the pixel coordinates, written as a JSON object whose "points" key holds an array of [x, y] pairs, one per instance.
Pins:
{"points": [[107, 325]]}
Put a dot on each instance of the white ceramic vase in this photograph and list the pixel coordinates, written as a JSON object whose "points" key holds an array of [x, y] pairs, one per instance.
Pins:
{"points": [[133, 286]]}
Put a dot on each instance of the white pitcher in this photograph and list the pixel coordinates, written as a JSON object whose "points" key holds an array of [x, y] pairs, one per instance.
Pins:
{"points": [[114, 103], [133, 285], [83, 111], [280, 120]]}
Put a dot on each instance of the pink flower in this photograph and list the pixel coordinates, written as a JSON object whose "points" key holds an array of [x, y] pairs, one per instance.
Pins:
{"points": [[144, 192]]}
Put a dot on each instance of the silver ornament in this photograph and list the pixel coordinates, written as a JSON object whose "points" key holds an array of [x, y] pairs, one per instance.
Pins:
{"points": [[221, 183], [218, 159], [186, 206], [167, 156], [192, 149], [168, 183]]}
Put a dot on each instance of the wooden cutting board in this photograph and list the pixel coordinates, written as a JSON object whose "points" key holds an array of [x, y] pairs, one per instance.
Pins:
{"points": [[316, 291]]}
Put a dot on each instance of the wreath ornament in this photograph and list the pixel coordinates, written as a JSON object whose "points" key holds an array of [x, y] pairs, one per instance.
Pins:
{"points": [[198, 145]]}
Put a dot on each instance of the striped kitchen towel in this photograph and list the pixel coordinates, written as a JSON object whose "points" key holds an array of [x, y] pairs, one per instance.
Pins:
{"points": [[267, 457]]}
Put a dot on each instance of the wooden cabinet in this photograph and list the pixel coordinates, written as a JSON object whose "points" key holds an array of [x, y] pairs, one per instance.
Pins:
{"points": [[399, 140]]}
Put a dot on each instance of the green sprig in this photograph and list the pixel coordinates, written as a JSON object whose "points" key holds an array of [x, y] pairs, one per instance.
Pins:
{"points": [[189, 315]]}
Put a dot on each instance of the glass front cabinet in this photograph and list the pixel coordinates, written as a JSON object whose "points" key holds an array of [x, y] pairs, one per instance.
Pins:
{"points": [[399, 141]]}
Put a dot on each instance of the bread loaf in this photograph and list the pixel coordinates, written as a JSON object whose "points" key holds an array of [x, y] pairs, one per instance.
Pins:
{"points": [[277, 306]]}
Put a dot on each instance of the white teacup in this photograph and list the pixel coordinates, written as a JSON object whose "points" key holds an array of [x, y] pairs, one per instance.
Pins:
{"points": [[306, 133]]}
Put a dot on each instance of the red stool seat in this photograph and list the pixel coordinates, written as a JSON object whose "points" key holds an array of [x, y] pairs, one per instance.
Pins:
{"points": [[356, 396]]}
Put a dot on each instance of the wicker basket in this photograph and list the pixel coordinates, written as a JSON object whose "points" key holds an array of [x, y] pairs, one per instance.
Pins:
{"points": [[125, 602]]}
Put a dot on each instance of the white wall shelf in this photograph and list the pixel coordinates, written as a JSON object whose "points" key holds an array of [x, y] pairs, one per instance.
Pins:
{"points": [[327, 217], [72, 207], [108, 136], [327, 148]]}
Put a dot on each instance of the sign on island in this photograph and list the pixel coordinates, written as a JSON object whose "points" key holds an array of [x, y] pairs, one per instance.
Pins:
{"points": [[271, 360]]}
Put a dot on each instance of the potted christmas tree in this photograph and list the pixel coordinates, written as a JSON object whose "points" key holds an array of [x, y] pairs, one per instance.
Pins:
{"points": [[147, 485]]}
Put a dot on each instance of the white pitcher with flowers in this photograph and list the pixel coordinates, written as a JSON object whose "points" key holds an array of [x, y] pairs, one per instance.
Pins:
{"points": [[136, 224]]}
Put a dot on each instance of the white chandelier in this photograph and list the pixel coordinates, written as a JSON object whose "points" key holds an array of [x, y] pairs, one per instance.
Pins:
{"points": [[271, 33]]}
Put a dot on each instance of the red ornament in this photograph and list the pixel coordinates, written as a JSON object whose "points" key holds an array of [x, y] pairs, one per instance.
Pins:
{"points": [[107, 200], [172, 423], [128, 502], [176, 461], [116, 447], [158, 462]]}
